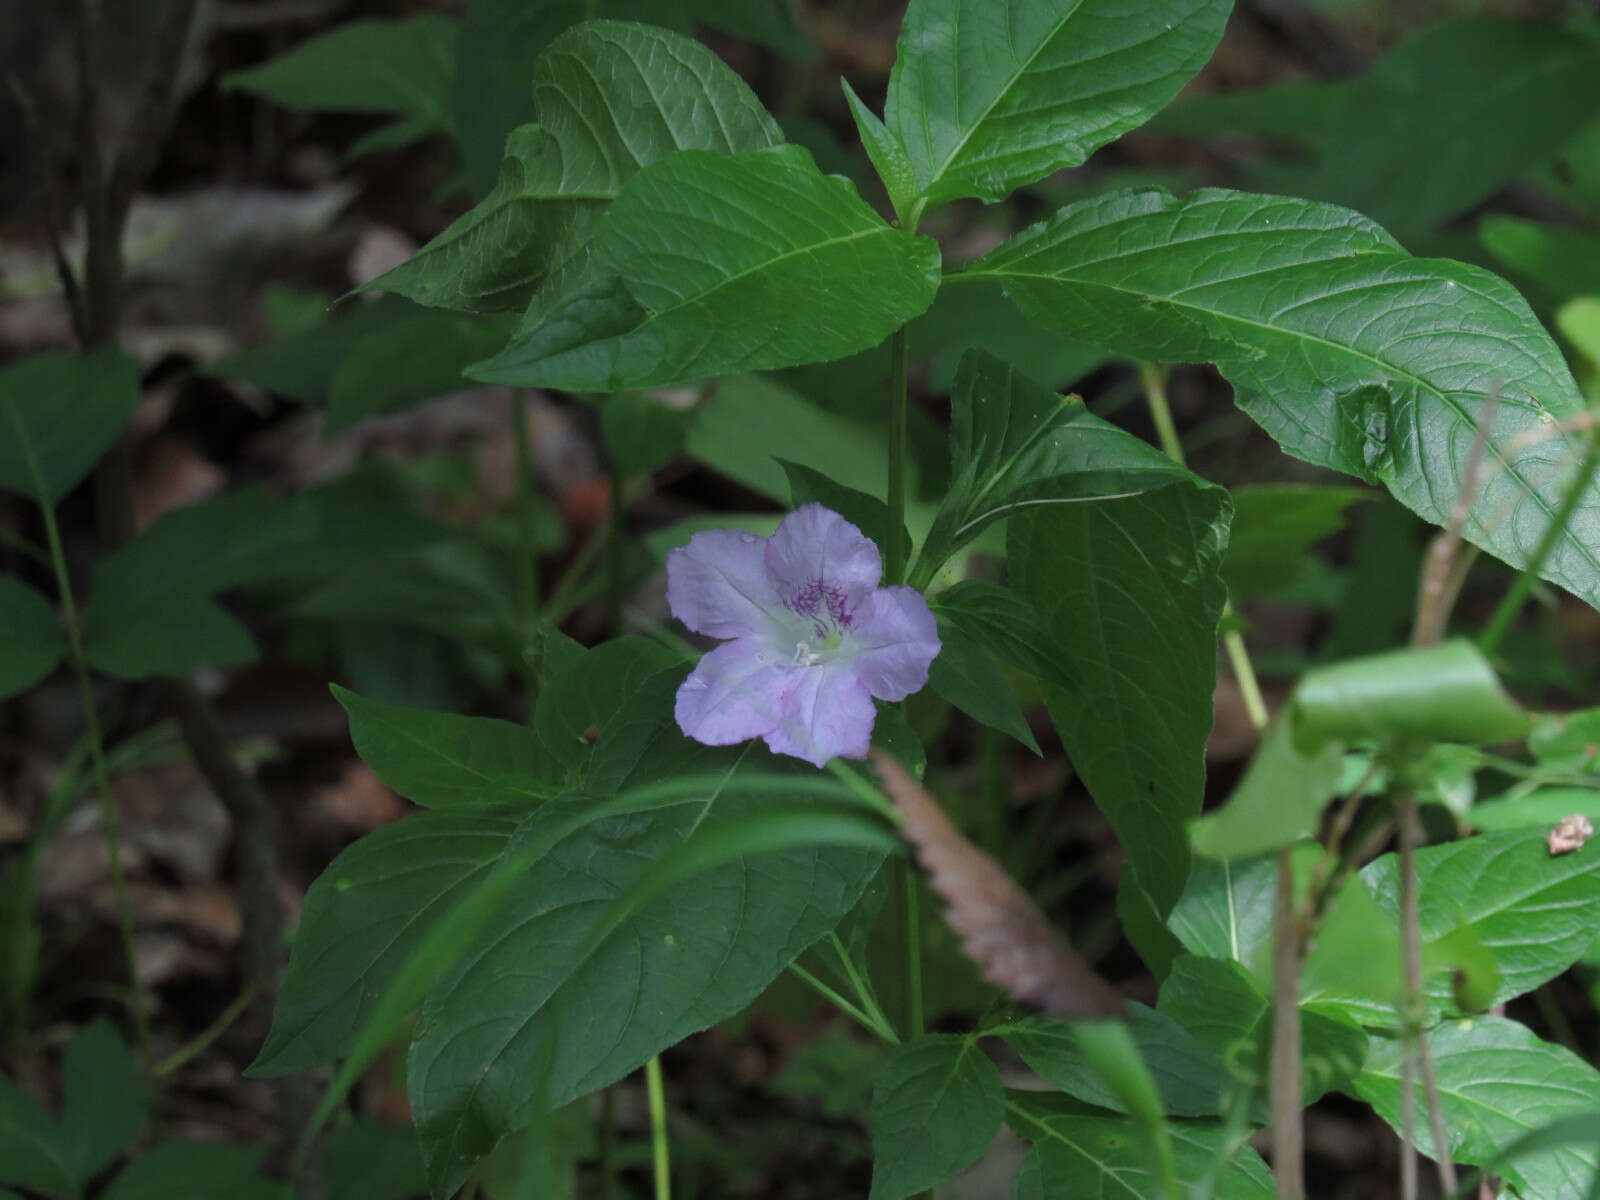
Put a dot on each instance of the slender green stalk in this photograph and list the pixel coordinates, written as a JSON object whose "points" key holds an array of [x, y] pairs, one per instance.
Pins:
{"points": [[23, 546], [1244, 675], [91, 720], [211, 1032], [658, 1128], [1155, 397], [1500, 623], [895, 563], [860, 1016], [862, 985], [564, 598]]}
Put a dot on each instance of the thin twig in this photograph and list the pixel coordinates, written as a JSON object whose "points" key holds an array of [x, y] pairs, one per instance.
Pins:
{"points": [[1435, 595]]}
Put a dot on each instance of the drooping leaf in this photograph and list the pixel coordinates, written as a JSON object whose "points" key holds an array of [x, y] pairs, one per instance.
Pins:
{"points": [[1001, 929], [404, 67], [1015, 444], [1130, 589], [32, 1154], [1348, 351], [190, 1170], [1535, 912], [570, 994], [106, 1099], [445, 761], [778, 285], [70, 407], [31, 639], [968, 678], [1446, 692], [414, 359], [611, 97], [151, 610], [936, 1106], [1496, 1082], [988, 96], [1080, 1151], [1279, 800], [1005, 625]]}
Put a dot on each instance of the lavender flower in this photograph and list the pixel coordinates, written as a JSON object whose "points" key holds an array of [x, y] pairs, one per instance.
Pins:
{"points": [[810, 636]]}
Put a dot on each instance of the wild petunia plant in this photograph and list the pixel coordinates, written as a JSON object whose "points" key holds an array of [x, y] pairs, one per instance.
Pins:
{"points": [[621, 870]]}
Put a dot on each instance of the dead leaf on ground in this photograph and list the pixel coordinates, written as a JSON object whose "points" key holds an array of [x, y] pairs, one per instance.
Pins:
{"points": [[1001, 929]]}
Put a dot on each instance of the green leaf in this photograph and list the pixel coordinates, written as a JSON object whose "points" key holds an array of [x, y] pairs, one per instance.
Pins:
{"points": [[867, 513], [1279, 800], [1486, 100], [1441, 693], [1496, 1082], [411, 360], [968, 678], [1274, 528], [1228, 1014], [570, 994], [1568, 741], [368, 1161], [887, 153], [1187, 1077], [445, 761], [404, 67], [611, 98], [641, 433], [31, 640], [193, 1171], [578, 700], [363, 918], [1005, 625], [151, 610], [1535, 912], [32, 1154], [1086, 1152], [1579, 322], [1538, 809], [777, 285], [71, 407], [1226, 909], [936, 1106], [1348, 351], [988, 97], [106, 1102], [1563, 261], [1130, 589], [1015, 444]]}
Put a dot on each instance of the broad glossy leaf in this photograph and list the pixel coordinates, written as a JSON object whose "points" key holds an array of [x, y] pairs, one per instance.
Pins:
{"points": [[1535, 912], [1189, 1079], [570, 994], [405, 67], [987, 95], [31, 1151], [363, 918], [151, 610], [1079, 1151], [611, 97], [1005, 625], [1497, 1081], [1016, 445], [1279, 800], [106, 1098], [414, 359], [1130, 589], [710, 265], [31, 640], [71, 407], [1446, 692], [936, 1106], [445, 761], [1351, 353], [1485, 99], [968, 678]]}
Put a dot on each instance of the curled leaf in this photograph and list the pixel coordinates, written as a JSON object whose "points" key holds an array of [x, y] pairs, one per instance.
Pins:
{"points": [[1001, 929]]}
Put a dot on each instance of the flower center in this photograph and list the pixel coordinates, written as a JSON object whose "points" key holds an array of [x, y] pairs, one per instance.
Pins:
{"points": [[820, 646]]}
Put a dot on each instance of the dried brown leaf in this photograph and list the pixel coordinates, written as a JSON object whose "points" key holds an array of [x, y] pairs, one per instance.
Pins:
{"points": [[1001, 929]]}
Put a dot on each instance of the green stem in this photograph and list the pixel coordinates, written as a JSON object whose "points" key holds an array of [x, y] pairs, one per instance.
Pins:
{"points": [[1500, 623], [658, 1128], [1244, 673], [855, 1013], [863, 987], [894, 551], [23, 546], [211, 1033], [91, 720], [565, 596], [1155, 395]]}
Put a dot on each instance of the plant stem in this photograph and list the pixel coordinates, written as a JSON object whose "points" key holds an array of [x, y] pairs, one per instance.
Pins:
{"points": [[91, 721], [1155, 398], [658, 1128], [1288, 1148], [894, 551], [860, 1016], [865, 994], [1245, 675], [210, 1033], [1416, 1055], [1500, 623]]}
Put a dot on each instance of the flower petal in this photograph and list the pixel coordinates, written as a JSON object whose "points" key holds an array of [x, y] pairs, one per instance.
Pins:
{"points": [[737, 692], [718, 584], [897, 639], [817, 557], [826, 713]]}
